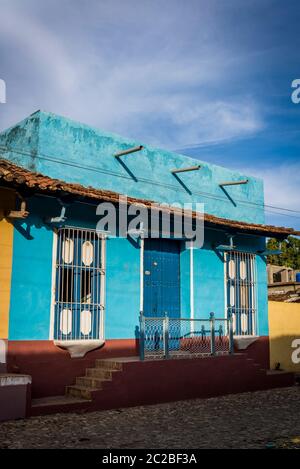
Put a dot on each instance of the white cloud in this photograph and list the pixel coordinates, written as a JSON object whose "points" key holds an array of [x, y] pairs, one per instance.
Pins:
{"points": [[281, 183], [216, 121], [43, 51], [158, 77]]}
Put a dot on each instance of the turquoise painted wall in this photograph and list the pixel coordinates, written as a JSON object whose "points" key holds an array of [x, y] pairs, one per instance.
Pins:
{"points": [[185, 281], [68, 150], [29, 317], [122, 288], [209, 287], [32, 271]]}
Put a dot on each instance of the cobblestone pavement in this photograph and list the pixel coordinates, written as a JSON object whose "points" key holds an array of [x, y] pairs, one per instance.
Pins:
{"points": [[249, 420]]}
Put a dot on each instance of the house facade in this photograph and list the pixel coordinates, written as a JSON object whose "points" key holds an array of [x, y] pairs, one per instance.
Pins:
{"points": [[72, 293]]}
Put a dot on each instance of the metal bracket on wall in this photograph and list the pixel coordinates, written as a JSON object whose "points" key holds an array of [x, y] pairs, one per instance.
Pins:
{"points": [[18, 214], [62, 217], [270, 252], [128, 151], [233, 183], [224, 247], [185, 170]]}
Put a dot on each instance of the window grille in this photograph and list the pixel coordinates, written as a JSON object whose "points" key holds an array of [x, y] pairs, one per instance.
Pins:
{"points": [[79, 289], [241, 286]]}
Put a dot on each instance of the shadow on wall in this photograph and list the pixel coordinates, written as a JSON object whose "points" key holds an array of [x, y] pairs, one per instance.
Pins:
{"points": [[285, 353], [284, 331], [52, 368]]}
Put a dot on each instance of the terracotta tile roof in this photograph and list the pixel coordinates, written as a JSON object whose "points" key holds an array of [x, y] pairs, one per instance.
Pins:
{"points": [[18, 177]]}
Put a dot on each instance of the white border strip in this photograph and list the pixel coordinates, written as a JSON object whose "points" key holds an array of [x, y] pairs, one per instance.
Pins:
{"points": [[53, 282], [142, 244]]}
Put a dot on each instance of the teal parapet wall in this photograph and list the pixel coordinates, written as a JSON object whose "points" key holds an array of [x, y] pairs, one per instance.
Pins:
{"points": [[74, 152], [32, 273]]}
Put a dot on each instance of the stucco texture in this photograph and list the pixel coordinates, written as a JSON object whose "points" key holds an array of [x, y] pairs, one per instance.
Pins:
{"points": [[68, 150], [284, 328]]}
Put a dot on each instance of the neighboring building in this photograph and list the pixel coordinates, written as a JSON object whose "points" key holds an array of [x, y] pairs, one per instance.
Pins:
{"points": [[280, 274], [282, 280], [63, 286]]}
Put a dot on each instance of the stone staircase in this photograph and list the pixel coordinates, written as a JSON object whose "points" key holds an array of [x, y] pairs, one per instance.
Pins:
{"points": [[127, 382], [94, 380]]}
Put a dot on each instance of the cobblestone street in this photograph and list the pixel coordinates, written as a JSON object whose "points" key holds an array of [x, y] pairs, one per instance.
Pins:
{"points": [[249, 420]]}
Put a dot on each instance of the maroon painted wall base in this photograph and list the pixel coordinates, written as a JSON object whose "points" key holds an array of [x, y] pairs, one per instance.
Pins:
{"points": [[259, 351], [153, 382], [52, 369], [15, 402]]}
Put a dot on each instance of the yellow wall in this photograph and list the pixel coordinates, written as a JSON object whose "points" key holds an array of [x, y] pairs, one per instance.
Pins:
{"points": [[6, 247], [284, 327]]}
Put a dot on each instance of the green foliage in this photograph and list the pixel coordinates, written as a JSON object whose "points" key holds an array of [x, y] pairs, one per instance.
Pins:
{"points": [[290, 256]]}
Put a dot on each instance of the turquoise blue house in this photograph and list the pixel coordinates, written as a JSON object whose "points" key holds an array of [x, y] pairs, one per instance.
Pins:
{"points": [[68, 289]]}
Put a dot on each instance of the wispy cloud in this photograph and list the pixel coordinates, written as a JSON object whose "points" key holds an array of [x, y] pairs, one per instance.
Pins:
{"points": [[127, 68], [282, 185]]}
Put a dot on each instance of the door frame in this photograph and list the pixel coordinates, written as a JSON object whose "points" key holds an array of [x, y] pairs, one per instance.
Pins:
{"points": [[192, 279]]}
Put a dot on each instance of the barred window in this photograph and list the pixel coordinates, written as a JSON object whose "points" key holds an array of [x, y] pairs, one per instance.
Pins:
{"points": [[78, 295], [240, 273]]}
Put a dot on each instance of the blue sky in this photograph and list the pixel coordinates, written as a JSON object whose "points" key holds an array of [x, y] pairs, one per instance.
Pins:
{"points": [[209, 78]]}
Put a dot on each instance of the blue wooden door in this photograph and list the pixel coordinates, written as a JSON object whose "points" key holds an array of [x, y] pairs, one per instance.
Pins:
{"points": [[162, 278]]}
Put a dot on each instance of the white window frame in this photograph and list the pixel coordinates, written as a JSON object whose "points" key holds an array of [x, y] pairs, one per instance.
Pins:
{"points": [[102, 291], [243, 256]]}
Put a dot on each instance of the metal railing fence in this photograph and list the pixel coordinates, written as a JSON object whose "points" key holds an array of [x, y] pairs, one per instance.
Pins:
{"points": [[165, 337]]}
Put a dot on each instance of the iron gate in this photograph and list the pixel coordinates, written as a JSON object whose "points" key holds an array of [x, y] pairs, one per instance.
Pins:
{"points": [[165, 337]]}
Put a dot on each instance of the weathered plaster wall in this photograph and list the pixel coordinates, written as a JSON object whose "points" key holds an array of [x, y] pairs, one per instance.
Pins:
{"points": [[31, 282], [284, 323], [75, 152], [209, 287], [122, 289], [32, 271]]}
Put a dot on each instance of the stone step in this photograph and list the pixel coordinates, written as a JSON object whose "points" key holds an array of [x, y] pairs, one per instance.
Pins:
{"points": [[99, 373], [56, 400], [89, 382], [108, 364], [58, 404], [80, 391]]}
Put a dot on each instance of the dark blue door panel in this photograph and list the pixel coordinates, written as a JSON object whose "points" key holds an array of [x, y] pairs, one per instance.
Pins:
{"points": [[161, 278]]}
